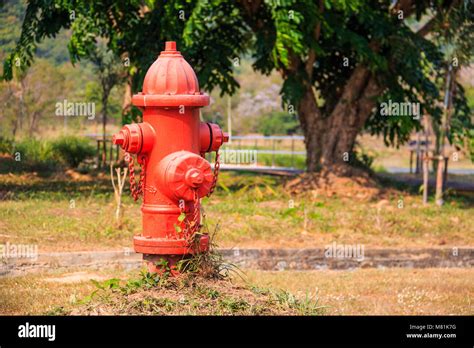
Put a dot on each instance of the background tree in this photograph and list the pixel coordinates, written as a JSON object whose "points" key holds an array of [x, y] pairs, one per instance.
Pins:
{"points": [[339, 59], [110, 73]]}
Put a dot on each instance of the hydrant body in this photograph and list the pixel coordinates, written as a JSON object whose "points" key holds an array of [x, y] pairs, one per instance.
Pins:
{"points": [[170, 145]]}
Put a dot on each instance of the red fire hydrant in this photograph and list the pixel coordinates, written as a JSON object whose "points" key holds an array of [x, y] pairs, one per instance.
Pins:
{"points": [[170, 145]]}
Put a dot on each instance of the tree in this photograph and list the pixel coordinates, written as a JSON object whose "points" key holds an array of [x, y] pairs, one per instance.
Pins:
{"points": [[30, 99], [339, 59], [453, 31], [110, 73]]}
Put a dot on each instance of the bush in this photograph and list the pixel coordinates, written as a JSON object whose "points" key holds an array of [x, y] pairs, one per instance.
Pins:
{"points": [[6, 145], [35, 154], [72, 150], [363, 159], [279, 123]]}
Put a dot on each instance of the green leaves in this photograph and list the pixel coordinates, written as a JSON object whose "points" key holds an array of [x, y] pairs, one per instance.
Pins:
{"points": [[42, 19], [181, 217], [313, 44]]}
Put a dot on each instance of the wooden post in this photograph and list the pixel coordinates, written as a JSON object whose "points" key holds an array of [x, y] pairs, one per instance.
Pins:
{"points": [[445, 176], [292, 152], [98, 153], [411, 161], [419, 160], [104, 152], [439, 182], [118, 189], [425, 178], [273, 152], [443, 131], [426, 159], [111, 152]]}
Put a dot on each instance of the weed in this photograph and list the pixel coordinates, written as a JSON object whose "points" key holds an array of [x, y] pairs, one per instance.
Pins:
{"points": [[209, 264], [307, 305], [233, 305], [57, 310]]}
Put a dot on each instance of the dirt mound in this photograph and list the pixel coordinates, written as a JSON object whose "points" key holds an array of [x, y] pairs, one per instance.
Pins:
{"points": [[72, 175], [192, 296], [350, 183]]}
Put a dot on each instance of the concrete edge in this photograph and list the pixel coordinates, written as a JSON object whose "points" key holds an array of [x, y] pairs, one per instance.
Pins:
{"points": [[260, 259]]}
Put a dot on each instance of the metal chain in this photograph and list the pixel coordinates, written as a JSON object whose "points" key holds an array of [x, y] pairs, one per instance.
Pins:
{"points": [[217, 166], [136, 190], [195, 225], [192, 225]]}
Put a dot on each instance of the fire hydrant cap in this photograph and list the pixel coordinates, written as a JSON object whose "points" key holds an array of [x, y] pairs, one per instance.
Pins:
{"points": [[170, 81]]}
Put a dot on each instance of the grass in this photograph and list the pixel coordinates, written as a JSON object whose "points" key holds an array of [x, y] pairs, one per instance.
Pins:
{"points": [[59, 214], [130, 293], [151, 294], [380, 291], [358, 292]]}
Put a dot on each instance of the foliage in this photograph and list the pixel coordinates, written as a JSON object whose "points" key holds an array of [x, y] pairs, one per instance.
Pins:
{"points": [[29, 105], [72, 150], [363, 159], [6, 145], [47, 155], [279, 123], [35, 154], [306, 41]]}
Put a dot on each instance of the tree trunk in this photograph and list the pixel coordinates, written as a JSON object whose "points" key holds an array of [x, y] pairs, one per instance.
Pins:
{"points": [[105, 100], [330, 139], [34, 119], [313, 128], [349, 116], [127, 97]]}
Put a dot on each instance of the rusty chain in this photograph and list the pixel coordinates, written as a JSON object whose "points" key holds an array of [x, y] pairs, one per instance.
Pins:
{"points": [[136, 190], [193, 225], [217, 166]]}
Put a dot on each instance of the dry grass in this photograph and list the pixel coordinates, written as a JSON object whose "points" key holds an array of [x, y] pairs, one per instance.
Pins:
{"points": [[127, 294], [359, 292], [41, 293], [381, 291], [395, 218], [251, 211]]}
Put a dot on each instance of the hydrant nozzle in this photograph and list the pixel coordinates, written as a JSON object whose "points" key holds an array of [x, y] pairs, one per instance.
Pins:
{"points": [[118, 139]]}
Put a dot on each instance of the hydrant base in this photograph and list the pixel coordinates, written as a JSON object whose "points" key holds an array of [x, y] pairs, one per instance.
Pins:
{"points": [[162, 246], [162, 263]]}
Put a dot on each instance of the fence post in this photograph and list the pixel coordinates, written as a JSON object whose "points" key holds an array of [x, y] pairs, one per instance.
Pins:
{"points": [[292, 152], [98, 153], [111, 152], [273, 152]]}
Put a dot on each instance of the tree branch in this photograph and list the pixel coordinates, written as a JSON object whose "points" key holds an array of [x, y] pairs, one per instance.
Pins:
{"points": [[312, 53]]}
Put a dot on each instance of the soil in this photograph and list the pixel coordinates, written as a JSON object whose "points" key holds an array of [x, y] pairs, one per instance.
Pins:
{"points": [[187, 295], [349, 183], [75, 277]]}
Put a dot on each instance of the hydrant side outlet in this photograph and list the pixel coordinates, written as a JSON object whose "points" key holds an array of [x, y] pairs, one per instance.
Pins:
{"points": [[170, 145]]}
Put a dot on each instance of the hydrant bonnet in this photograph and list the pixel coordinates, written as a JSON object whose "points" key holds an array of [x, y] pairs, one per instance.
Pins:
{"points": [[170, 81]]}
